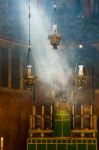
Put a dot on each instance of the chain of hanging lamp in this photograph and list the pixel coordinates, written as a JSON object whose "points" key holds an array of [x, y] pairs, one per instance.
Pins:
{"points": [[53, 16], [29, 49]]}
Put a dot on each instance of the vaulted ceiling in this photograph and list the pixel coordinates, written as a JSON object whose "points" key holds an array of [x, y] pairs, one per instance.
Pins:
{"points": [[78, 22]]}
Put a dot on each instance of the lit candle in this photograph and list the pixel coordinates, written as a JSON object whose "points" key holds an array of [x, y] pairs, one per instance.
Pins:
{"points": [[33, 110], [73, 109], [91, 109], [55, 29], [81, 110], [51, 110], [29, 70], [42, 110], [81, 70], [1, 143]]}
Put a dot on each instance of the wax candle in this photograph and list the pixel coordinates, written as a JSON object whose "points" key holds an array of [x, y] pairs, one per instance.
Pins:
{"points": [[1, 142]]}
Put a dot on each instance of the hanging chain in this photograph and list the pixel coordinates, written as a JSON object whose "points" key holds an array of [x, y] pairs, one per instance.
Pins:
{"points": [[29, 24], [53, 16], [29, 42], [55, 10]]}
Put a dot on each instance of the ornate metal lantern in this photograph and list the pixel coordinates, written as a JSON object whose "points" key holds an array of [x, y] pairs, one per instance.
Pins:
{"points": [[29, 78], [81, 77], [54, 40], [54, 37]]}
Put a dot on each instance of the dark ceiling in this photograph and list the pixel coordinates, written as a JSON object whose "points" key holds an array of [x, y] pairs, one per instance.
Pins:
{"points": [[78, 20]]}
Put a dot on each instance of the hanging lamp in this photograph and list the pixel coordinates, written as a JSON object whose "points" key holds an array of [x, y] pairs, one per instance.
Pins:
{"points": [[81, 75], [29, 77], [53, 36]]}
